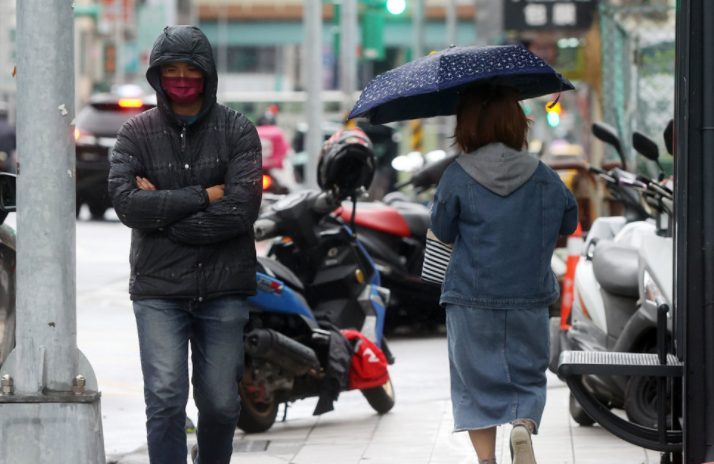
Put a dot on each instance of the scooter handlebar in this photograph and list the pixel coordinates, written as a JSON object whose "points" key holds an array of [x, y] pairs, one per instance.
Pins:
{"points": [[324, 203], [595, 170], [264, 229], [401, 185]]}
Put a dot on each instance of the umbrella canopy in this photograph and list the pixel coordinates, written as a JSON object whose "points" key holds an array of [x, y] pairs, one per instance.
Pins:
{"points": [[430, 86]]}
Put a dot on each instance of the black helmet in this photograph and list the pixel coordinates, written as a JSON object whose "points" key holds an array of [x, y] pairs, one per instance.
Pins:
{"points": [[347, 162], [267, 119]]}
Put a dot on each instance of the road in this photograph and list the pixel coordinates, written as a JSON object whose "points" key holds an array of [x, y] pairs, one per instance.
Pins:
{"points": [[420, 423], [106, 334]]}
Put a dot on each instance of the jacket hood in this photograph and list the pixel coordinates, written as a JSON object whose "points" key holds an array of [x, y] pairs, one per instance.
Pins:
{"points": [[183, 44], [499, 168]]}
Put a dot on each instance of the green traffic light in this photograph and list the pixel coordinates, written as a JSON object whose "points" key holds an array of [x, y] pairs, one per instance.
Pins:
{"points": [[553, 119], [396, 7]]}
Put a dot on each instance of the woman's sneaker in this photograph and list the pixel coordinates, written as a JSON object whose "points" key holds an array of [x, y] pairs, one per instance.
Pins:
{"points": [[521, 445]]}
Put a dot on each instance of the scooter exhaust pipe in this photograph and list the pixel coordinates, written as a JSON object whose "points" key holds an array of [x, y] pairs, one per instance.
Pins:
{"points": [[282, 351]]}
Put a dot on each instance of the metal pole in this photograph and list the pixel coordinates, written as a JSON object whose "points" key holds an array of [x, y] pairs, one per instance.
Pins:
{"points": [[451, 37], [348, 52], [694, 231], [52, 421], [119, 77], [223, 40], [489, 21], [418, 29], [312, 21]]}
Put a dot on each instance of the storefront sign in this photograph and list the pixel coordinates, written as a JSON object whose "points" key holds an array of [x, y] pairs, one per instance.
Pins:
{"points": [[524, 15]]}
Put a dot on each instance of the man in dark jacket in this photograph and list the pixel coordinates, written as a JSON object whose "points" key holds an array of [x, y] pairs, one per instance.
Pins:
{"points": [[186, 177]]}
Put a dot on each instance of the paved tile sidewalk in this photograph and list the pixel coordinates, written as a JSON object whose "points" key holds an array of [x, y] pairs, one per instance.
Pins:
{"points": [[421, 433]]}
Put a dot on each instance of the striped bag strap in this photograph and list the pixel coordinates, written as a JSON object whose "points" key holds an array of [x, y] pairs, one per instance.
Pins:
{"points": [[436, 259]]}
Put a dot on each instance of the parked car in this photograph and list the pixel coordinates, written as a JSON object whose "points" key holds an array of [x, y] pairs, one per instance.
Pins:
{"points": [[7, 267], [95, 134]]}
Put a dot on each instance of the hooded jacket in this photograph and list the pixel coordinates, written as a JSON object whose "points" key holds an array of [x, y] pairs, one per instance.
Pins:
{"points": [[503, 210], [183, 246]]}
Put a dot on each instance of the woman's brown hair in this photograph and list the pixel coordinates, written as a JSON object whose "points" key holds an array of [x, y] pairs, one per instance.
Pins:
{"points": [[490, 114]]}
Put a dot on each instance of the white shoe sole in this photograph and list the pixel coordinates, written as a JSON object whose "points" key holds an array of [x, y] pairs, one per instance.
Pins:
{"points": [[521, 446]]}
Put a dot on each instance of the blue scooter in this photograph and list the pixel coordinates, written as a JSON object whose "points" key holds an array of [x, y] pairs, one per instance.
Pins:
{"points": [[316, 280]]}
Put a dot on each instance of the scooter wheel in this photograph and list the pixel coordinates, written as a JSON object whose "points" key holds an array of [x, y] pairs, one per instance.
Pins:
{"points": [[381, 398], [255, 417], [641, 401], [578, 413]]}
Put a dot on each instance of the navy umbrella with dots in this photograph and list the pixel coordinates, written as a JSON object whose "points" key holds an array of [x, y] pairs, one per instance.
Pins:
{"points": [[430, 86]]}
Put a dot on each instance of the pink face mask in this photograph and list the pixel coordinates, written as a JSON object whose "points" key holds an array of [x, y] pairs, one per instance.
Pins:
{"points": [[182, 90]]}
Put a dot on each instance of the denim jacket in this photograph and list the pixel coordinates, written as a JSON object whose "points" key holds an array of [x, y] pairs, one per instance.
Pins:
{"points": [[503, 210]]}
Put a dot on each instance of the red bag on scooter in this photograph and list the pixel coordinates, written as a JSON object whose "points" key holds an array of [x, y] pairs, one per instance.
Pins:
{"points": [[369, 365]]}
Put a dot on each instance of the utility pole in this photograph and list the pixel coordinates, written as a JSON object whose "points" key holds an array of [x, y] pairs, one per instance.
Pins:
{"points": [[348, 52], [50, 406], [489, 21], [312, 23], [223, 40], [451, 36], [119, 77], [451, 39], [694, 231], [418, 30]]}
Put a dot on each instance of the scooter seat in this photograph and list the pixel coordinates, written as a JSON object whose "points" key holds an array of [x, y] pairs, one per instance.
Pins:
{"points": [[419, 222], [377, 216], [616, 268], [418, 218]]}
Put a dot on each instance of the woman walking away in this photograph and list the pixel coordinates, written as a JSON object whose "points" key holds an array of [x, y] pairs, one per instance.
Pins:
{"points": [[503, 210]]}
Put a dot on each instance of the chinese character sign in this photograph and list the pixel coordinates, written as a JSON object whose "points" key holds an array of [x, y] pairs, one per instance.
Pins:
{"points": [[521, 15]]}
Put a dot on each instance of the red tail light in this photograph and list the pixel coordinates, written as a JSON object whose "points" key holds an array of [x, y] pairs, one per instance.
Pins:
{"points": [[76, 134], [131, 102], [267, 181]]}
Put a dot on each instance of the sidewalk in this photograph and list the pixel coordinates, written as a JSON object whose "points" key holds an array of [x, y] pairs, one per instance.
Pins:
{"points": [[417, 431]]}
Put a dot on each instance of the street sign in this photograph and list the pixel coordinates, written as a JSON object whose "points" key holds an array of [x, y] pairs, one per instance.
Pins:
{"points": [[110, 8], [526, 15]]}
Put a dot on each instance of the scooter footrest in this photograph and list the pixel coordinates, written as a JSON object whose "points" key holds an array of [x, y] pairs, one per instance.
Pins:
{"points": [[608, 363]]}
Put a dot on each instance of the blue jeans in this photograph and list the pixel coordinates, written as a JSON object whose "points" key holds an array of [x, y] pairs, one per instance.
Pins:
{"points": [[215, 330]]}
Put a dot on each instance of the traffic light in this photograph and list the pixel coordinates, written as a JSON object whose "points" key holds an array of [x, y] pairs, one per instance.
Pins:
{"points": [[373, 18], [553, 108], [553, 119], [396, 7]]}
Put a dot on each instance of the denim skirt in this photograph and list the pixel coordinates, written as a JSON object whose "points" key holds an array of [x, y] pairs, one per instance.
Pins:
{"points": [[498, 359]]}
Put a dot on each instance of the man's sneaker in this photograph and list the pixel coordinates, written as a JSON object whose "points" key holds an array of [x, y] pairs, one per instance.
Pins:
{"points": [[521, 445], [194, 453]]}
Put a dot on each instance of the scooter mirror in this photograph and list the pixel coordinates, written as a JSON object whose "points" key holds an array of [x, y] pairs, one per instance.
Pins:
{"points": [[669, 137], [607, 134], [645, 146]]}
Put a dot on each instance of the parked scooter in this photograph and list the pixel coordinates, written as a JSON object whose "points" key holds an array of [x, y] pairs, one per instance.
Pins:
{"points": [[623, 259], [394, 234], [316, 280]]}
